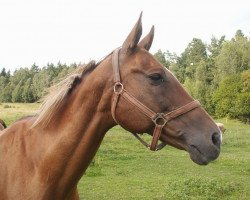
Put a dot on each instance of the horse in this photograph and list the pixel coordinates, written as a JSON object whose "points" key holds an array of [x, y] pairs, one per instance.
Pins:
{"points": [[44, 156], [2, 125]]}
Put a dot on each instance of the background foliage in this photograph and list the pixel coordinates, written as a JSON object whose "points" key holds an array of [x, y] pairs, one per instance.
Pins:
{"points": [[217, 74], [29, 85]]}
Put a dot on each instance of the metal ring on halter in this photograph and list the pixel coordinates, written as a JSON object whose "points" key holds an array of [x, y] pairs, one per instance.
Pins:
{"points": [[159, 119], [118, 88]]}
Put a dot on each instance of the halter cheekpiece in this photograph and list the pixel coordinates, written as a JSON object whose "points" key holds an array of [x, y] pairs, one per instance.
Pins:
{"points": [[159, 119]]}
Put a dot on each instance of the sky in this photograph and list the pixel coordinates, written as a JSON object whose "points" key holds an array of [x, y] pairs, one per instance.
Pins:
{"points": [[49, 31]]}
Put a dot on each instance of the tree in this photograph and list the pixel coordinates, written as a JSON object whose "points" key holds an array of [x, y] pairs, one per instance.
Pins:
{"points": [[193, 55], [232, 98], [179, 68], [34, 69], [4, 81], [160, 56], [239, 35], [214, 50], [234, 57], [3, 72], [2, 86], [17, 93], [7, 93], [28, 92]]}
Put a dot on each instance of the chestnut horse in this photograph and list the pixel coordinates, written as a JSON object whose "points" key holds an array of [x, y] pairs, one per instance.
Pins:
{"points": [[2, 125], [44, 157]]}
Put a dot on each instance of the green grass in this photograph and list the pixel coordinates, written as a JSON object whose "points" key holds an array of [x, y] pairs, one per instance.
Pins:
{"points": [[124, 169], [10, 112]]}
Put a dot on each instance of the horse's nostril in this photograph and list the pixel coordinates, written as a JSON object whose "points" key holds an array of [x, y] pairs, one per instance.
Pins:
{"points": [[216, 139]]}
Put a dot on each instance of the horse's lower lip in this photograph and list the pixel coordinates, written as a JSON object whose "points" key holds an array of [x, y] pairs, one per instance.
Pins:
{"points": [[197, 156]]}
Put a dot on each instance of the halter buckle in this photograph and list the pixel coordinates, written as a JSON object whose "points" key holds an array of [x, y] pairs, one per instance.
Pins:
{"points": [[159, 119], [118, 88]]}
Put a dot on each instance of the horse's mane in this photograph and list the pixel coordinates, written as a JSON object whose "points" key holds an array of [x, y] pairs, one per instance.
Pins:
{"points": [[57, 94]]}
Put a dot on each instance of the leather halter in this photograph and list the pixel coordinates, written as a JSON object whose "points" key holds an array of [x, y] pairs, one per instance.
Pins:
{"points": [[159, 119]]}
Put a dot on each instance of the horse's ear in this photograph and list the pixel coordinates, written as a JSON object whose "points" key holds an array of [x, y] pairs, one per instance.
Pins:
{"points": [[146, 42], [133, 38]]}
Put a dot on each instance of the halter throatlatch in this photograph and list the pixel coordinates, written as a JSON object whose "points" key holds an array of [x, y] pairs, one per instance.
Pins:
{"points": [[159, 119]]}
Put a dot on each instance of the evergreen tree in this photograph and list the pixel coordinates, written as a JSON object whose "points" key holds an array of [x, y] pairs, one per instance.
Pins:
{"points": [[17, 93], [160, 56], [3, 72], [27, 93], [234, 57]]}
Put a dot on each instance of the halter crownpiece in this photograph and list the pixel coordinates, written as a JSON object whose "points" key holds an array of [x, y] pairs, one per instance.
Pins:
{"points": [[159, 119]]}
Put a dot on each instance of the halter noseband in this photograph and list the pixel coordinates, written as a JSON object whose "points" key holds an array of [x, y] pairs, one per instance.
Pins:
{"points": [[159, 119]]}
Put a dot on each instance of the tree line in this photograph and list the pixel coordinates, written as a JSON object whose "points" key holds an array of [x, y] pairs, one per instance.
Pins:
{"points": [[28, 85], [217, 74]]}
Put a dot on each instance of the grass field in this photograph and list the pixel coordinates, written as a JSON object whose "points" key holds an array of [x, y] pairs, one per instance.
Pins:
{"points": [[124, 169]]}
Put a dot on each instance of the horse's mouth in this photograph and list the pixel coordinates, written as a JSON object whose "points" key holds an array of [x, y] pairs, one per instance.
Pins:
{"points": [[197, 156]]}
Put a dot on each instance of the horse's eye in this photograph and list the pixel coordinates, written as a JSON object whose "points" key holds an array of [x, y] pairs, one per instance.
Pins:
{"points": [[156, 78]]}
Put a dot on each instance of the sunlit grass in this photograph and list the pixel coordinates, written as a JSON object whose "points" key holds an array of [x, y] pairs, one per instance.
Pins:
{"points": [[124, 169], [10, 112]]}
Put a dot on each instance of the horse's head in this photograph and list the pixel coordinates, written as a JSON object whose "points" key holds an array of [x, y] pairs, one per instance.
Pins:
{"points": [[149, 83]]}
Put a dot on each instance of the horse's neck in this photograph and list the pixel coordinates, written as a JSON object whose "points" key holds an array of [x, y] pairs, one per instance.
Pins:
{"points": [[84, 120]]}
